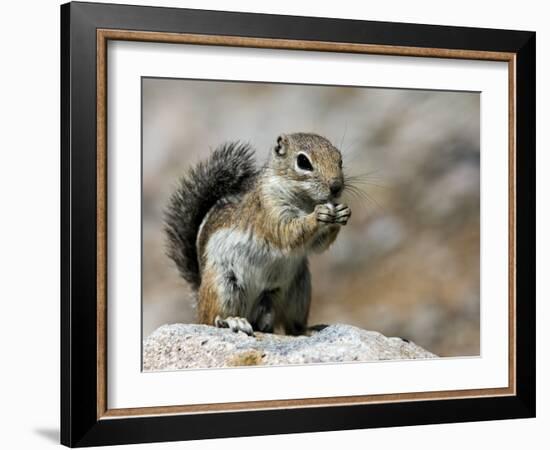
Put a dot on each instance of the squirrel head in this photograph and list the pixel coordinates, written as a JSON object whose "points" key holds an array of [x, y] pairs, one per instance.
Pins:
{"points": [[309, 167]]}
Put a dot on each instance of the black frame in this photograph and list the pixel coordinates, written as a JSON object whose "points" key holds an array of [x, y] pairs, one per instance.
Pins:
{"points": [[79, 423]]}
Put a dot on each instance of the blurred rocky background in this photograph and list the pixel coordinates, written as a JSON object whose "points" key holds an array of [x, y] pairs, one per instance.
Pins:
{"points": [[407, 264]]}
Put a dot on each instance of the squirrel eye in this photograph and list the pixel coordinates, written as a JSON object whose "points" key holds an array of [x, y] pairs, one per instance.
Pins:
{"points": [[304, 163], [340, 164]]}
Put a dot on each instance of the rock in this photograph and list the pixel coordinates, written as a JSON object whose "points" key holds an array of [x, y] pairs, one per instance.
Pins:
{"points": [[181, 346]]}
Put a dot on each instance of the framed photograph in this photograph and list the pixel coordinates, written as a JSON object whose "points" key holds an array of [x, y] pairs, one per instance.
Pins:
{"points": [[278, 224]]}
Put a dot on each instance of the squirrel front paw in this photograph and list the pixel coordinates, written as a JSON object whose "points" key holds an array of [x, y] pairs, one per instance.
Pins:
{"points": [[236, 324], [324, 213], [342, 213], [333, 214]]}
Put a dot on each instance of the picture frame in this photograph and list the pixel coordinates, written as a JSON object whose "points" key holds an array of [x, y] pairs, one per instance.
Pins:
{"points": [[86, 29]]}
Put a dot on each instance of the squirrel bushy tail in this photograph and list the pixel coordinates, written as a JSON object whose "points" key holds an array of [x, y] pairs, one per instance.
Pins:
{"points": [[229, 170]]}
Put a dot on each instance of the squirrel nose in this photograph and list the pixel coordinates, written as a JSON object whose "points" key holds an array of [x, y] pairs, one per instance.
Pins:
{"points": [[335, 188]]}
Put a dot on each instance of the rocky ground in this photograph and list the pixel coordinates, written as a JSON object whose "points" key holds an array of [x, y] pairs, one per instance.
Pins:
{"points": [[181, 346]]}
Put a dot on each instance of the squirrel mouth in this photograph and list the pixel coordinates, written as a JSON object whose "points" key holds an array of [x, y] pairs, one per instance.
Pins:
{"points": [[332, 199]]}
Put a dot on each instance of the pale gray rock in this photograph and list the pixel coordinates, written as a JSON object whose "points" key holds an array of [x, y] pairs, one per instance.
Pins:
{"points": [[181, 346]]}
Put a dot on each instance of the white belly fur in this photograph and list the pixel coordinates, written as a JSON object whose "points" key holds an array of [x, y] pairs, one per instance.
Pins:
{"points": [[255, 264]]}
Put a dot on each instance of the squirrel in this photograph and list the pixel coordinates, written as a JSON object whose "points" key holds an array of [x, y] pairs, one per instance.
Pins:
{"points": [[240, 236]]}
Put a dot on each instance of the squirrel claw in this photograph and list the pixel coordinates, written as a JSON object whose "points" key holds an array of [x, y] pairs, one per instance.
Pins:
{"points": [[236, 324], [342, 213], [324, 213], [333, 214]]}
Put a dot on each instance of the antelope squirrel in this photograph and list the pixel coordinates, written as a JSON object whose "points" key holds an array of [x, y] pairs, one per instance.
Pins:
{"points": [[241, 235]]}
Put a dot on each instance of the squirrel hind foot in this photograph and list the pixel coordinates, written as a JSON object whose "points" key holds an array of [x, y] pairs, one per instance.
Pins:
{"points": [[235, 324]]}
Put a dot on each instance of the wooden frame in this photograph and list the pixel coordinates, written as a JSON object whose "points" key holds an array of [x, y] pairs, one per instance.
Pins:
{"points": [[86, 419]]}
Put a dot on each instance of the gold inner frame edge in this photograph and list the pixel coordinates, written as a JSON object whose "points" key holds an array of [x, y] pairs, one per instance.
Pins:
{"points": [[103, 36]]}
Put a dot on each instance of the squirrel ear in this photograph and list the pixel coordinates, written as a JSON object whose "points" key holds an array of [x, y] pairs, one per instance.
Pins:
{"points": [[282, 144]]}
